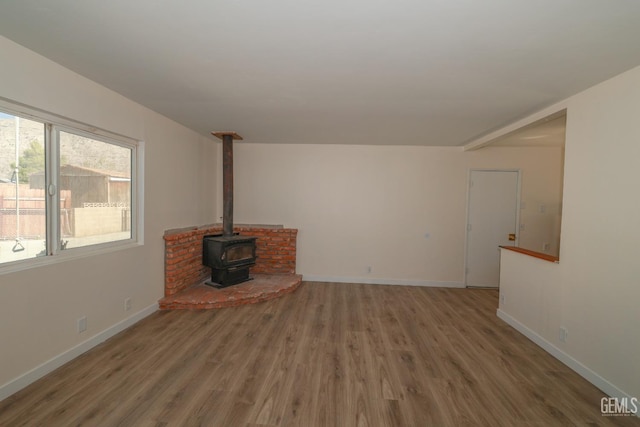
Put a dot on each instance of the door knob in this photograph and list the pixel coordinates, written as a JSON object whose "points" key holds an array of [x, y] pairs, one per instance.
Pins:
{"points": [[512, 237]]}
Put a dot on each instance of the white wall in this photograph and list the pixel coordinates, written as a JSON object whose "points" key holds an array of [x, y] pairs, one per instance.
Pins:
{"points": [[40, 306], [400, 210], [595, 290]]}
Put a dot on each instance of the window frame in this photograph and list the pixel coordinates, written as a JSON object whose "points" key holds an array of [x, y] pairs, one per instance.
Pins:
{"points": [[53, 124]]}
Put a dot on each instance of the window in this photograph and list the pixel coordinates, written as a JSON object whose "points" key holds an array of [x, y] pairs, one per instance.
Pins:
{"points": [[63, 187], [22, 207], [97, 176]]}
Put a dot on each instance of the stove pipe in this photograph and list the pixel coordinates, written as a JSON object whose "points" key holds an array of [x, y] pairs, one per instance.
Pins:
{"points": [[227, 180]]}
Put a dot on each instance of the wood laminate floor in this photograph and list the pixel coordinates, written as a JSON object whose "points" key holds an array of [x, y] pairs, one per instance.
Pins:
{"points": [[326, 355]]}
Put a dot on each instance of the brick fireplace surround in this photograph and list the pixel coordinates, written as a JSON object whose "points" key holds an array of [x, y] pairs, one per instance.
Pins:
{"points": [[274, 272]]}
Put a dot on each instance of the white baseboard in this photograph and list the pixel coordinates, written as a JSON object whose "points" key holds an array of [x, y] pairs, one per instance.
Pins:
{"points": [[50, 365], [374, 281], [565, 358]]}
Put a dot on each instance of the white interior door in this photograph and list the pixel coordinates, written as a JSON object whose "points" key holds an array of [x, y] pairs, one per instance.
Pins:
{"points": [[492, 217]]}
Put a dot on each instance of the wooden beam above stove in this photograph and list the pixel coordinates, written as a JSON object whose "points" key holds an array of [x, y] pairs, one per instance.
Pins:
{"points": [[221, 135]]}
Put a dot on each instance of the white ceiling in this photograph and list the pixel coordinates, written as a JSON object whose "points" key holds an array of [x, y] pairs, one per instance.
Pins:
{"points": [[412, 72]]}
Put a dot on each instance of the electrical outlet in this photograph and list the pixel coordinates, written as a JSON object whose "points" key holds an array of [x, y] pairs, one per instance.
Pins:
{"points": [[563, 334], [82, 324], [127, 304]]}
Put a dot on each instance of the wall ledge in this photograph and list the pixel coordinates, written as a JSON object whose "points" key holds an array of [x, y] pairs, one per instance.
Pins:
{"points": [[534, 254], [219, 225]]}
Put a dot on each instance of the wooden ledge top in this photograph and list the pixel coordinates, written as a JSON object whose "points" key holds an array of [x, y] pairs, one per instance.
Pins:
{"points": [[534, 254], [221, 134]]}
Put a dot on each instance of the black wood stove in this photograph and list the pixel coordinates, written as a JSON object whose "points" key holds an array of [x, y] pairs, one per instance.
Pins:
{"points": [[229, 258], [228, 254]]}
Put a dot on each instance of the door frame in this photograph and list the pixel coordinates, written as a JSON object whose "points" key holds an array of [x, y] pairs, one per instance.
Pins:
{"points": [[466, 224]]}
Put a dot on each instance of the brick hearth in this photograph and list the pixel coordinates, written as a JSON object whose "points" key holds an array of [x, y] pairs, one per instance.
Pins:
{"points": [[264, 287], [274, 271]]}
